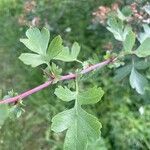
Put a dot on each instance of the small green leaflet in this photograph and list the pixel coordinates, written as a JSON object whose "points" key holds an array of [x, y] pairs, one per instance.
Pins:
{"points": [[138, 81], [4, 113], [144, 49], [32, 59], [67, 55], [55, 47], [37, 42], [65, 94], [81, 127], [129, 42]]}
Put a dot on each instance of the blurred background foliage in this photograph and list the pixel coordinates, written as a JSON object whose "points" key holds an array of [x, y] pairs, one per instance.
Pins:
{"points": [[124, 114]]}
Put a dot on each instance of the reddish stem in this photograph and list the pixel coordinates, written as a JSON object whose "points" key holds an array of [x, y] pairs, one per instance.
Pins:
{"points": [[46, 84]]}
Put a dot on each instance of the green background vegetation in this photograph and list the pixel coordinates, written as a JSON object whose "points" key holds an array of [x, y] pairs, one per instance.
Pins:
{"points": [[124, 128]]}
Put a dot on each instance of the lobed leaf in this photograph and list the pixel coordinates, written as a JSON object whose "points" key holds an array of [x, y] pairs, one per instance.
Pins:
{"points": [[68, 56], [83, 129], [37, 41]]}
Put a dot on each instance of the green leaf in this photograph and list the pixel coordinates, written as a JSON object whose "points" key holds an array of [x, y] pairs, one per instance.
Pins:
{"points": [[84, 128], [77, 137], [55, 47], [75, 50], [144, 49], [65, 94], [32, 59], [45, 36], [37, 41], [138, 81], [81, 127], [4, 113], [91, 96], [129, 41], [68, 56]]}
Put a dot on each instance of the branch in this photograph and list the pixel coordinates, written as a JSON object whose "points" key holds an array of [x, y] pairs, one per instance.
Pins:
{"points": [[46, 84]]}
